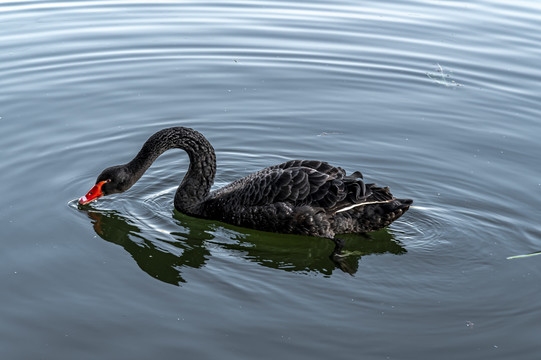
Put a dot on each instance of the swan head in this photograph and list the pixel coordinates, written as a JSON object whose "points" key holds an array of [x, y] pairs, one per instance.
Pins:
{"points": [[115, 179]]}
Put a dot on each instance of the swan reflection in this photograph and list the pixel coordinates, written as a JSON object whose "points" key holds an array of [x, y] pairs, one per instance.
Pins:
{"points": [[166, 255]]}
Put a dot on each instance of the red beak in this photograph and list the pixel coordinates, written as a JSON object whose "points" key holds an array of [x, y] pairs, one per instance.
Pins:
{"points": [[93, 194]]}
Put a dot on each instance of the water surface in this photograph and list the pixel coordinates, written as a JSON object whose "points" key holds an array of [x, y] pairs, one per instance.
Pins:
{"points": [[438, 100]]}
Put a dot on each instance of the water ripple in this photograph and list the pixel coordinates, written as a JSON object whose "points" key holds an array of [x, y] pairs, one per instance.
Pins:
{"points": [[84, 83]]}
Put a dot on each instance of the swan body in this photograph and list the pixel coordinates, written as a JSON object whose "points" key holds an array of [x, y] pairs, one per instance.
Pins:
{"points": [[299, 196]]}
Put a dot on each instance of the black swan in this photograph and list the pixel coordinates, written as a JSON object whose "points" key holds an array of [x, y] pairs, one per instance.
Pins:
{"points": [[299, 196]]}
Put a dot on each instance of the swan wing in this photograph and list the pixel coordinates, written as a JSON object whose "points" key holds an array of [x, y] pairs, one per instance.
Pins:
{"points": [[321, 166], [297, 182]]}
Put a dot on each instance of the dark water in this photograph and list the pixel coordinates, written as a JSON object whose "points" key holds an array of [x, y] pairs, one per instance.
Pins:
{"points": [[438, 100]]}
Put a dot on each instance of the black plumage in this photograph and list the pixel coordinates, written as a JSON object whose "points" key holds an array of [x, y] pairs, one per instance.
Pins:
{"points": [[299, 196]]}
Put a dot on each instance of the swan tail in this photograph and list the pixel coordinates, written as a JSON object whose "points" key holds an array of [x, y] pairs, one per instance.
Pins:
{"points": [[375, 210]]}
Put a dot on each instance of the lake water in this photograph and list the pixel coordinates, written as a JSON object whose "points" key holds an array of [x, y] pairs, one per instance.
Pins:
{"points": [[440, 100]]}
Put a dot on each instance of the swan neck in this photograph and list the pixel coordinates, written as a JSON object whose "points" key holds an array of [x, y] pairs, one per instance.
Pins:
{"points": [[196, 185], [199, 178]]}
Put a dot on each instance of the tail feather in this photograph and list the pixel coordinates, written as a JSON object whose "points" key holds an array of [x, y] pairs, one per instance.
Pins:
{"points": [[377, 193], [367, 207]]}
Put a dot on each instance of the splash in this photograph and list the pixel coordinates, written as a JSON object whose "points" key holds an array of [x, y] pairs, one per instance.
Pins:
{"points": [[442, 78]]}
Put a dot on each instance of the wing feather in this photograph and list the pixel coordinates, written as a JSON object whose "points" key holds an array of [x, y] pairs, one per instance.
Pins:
{"points": [[297, 182]]}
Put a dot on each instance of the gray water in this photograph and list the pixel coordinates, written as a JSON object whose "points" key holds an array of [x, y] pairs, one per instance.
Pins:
{"points": [[438, 100]]}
